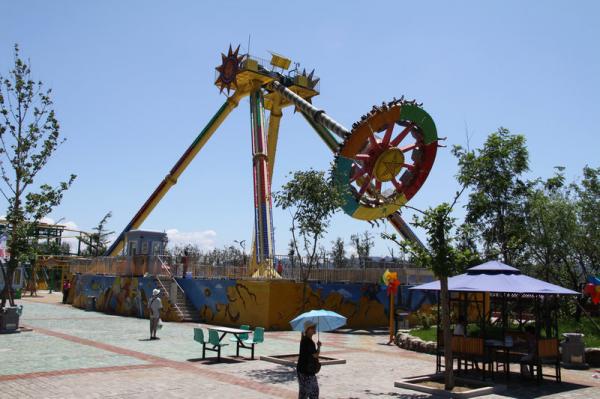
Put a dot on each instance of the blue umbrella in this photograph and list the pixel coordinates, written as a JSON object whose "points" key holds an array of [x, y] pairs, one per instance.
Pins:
{"points": [[325, 320]]}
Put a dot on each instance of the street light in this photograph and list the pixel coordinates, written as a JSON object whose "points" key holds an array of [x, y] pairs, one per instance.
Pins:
{"points": [[242, 244]]}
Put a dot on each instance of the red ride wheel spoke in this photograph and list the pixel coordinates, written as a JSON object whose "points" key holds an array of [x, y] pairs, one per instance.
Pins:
{"points": [[378, 186], [362, 157], [409, 147], [359, 172], [388, 134], [364, 187], [402, 135], [373, 140], [397, 184], [408, 166]]}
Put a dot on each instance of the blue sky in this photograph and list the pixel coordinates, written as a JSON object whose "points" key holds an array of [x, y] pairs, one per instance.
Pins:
{"points": [[133, 86]]}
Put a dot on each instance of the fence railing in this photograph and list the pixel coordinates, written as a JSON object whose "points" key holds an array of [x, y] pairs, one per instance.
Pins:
{"points": [[168, 266]]}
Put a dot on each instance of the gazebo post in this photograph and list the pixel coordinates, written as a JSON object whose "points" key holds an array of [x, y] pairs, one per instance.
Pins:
{"points": [[438, 357], [483, 315], [504, 316]]}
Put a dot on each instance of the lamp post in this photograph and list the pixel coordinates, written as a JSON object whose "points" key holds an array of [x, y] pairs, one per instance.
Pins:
{"points": [[242, 244]]}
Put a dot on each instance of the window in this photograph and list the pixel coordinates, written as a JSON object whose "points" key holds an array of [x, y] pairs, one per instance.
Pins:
{"points": [[132, 248], [156, 248]]}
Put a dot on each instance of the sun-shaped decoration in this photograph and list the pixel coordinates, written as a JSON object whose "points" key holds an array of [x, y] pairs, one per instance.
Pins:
{"points": [[228, 70], [311, 79]]}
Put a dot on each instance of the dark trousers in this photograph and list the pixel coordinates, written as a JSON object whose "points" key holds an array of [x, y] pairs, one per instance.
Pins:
{"points": [[65, 295]]}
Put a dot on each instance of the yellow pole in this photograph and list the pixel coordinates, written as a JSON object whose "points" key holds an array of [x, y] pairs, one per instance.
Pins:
{"points": [[171, 179], [391, 318]]}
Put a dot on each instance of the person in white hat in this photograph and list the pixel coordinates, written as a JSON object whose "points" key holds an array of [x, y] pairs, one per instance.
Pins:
{"points": [[308, 363], [154, 306]]}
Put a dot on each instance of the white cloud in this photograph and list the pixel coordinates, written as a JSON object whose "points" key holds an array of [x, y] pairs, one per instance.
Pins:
{"points": [[205, 240]]}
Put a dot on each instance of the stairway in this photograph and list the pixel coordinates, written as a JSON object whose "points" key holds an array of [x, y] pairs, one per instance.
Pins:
{"points": [[187, 309], [178, 298]]}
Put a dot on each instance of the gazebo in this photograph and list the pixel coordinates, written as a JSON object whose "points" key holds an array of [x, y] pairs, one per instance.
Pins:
{"points": [[500, 302]]}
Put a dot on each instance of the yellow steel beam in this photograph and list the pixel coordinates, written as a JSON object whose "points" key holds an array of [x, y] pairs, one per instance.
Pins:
{"points": [[171, 179]]}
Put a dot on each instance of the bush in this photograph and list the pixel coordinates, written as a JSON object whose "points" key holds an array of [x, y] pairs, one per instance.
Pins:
{"points": [[426, 319]]}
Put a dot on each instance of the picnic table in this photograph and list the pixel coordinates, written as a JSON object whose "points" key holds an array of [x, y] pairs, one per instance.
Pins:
{"points": [[237, 333], [497, 346]]}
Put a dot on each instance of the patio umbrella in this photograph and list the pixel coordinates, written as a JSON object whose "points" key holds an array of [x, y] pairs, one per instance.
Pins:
{"points": [[325, 320]]}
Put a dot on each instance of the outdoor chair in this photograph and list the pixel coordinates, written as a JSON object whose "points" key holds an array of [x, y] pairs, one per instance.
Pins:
{"points": [[470, 351], [257, 338], [242, 336], [199, 337], [213, 339], [546, 353]]}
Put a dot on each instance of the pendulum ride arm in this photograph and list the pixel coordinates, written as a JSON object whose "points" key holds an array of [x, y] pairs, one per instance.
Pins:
{"points": [[404, 229], [317, 115], [325, 135], [324, 125], [272, 137], [263, 222], [273, 134], [171, 179]]}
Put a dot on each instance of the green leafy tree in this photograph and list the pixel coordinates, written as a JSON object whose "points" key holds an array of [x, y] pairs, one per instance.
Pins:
{"points": [[563, 225], [97, 242], [498, 192], [588, 219], [312, 200], [29, 135], [338, 253], [445, 258], [362, 245]]}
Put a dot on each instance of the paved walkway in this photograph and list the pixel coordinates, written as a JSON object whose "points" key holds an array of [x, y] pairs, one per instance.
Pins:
{"points": [[76, 354]]}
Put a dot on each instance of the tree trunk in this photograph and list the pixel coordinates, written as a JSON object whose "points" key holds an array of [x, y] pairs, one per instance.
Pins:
{"points": [[448, 363], [6, 295]]}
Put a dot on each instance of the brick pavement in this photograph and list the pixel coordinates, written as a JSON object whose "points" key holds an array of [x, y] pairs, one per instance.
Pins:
{"points": [[76, 354]]}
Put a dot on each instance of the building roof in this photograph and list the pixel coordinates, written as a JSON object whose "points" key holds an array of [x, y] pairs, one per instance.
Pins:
{"points": [[495, 276]]}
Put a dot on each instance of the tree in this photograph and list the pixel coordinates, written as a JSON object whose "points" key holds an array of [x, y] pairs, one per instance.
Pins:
{"points": [[588, 219], [338, 253], [444, 257], [494, 174], [362, 245], [312, 200], [29, 136], [563, 224], [97, 242]]}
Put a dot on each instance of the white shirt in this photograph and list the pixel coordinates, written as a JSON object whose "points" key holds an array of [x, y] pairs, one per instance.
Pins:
{"points": [[155, 306], [459, 329]]}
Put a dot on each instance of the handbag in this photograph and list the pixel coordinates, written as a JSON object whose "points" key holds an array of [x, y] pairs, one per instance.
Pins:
{"points": [[314, 366]]}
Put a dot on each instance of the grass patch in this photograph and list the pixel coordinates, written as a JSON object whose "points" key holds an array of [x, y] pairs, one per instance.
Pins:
{"points": [[428, 334], [584, 326]]}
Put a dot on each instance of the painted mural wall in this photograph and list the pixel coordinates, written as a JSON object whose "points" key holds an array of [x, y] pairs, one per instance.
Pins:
{"points": [[126, 296], [272, 304]]}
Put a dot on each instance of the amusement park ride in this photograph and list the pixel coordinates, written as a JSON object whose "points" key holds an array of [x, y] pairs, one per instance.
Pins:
{"points": [[380, 164]]}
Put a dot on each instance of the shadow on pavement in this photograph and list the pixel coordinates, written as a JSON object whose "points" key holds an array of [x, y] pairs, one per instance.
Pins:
{"points": [[351, 331], [529, 389], [277, 375], [368, 392], [209, 361]]}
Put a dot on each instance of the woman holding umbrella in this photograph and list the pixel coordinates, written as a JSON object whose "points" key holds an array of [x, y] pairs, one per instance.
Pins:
{"points": [[308, 363]]}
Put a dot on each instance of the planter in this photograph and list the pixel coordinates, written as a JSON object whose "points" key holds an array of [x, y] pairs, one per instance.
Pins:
{"points": [[9, 320], [433, 384], [592, 356]]}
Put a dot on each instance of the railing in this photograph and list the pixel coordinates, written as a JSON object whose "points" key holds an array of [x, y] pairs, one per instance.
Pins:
{"points": [[170, 267], [120, 266]]}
